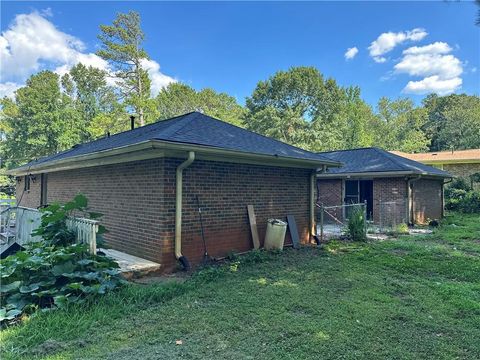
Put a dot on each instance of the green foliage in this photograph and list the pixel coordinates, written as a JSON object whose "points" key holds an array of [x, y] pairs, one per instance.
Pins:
{"points": [[299, 107], [55, 271], [409, 294], [470, 203], [459, 196], [356, 225], [453, 121], [53, 227], [177, 99], [7, 186], [46, 276], [401, 228], [39, 121], [400, 126]]}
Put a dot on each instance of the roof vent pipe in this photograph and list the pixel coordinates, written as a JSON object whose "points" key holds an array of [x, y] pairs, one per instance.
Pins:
{"points": [[178, 209], [132, 122]]}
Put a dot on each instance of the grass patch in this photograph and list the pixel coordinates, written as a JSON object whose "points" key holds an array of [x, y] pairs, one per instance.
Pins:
{"points": [[411, 298]]}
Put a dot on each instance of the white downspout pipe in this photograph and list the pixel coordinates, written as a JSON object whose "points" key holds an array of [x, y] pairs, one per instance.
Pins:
{"points": [[313, 180], [410, 200], [178, 209]]}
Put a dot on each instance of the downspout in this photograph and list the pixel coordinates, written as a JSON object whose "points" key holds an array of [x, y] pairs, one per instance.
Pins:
{"points": [[410, 204], [443, 195], [313, 179], [178, 209]]}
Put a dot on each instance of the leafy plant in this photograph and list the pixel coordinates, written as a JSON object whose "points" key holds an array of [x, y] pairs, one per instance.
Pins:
{"points": [[53, 227], [56, 271], [356, 225], [402, 228]]}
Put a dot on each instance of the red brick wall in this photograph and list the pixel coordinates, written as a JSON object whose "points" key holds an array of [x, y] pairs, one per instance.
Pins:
{"points": [[138, 203], [30, 199], [224, 191], [130, 195], [388, 190], [329, 192], [427, 200]]}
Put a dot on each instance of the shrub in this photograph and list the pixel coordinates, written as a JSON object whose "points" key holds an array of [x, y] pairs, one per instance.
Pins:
{"points": [[470, 203], [56, 271], [356, 225], [459, 196]]}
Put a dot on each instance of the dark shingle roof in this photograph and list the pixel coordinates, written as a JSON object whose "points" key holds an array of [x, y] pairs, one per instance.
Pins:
{"points": [[192, 128], [369, 160]]}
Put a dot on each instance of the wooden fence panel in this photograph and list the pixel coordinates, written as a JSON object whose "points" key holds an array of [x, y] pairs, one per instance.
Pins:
{"points": [[27, 220]]}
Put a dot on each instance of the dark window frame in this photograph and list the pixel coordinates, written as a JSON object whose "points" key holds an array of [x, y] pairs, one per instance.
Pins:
{"points": [[26, 183]]}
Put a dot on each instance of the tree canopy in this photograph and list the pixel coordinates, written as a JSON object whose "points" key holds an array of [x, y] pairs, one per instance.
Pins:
{"points": [[177, 99], [299, 106]]}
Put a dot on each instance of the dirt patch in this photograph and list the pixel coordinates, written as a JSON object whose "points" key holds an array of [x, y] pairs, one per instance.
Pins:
{"points": [[399, 252], [49, 347]]}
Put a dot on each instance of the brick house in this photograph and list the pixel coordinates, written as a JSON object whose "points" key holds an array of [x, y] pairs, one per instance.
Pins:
{"points": [[460, 163], [392, 186], [145, 181]]}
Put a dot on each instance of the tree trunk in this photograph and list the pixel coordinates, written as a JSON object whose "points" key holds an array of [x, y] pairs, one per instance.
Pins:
{"points": [[140, 95]]}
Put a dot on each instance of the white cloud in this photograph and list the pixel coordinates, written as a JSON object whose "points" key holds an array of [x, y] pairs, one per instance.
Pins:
{"points": [[32, 43], [351, 52], [386, 42], [433, 84], [435, 48], [446, 66], [8, 89], [157, 78], [440, 70]]}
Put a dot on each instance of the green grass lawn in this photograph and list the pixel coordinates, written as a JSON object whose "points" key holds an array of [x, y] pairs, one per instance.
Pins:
{"points": [[408, 298]]}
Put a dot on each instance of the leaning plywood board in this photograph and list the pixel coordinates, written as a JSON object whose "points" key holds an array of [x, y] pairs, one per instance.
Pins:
{"points": [[253, 227], [292, 226]]}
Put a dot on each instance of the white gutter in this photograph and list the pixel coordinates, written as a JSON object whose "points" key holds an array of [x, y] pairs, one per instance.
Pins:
{"points": [[313, 180], [376, 174], [100, 157], [410, 201], [178, 209]]}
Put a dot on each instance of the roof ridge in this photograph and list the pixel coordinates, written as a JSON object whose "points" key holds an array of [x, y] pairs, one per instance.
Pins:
{"points": [[344, 150], [181, 124]]}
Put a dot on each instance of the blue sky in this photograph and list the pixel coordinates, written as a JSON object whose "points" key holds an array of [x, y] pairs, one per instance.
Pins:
{"points": [[425, 46]]}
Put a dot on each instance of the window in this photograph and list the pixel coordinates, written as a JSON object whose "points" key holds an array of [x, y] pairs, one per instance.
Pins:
{"points": [[26, 183]]}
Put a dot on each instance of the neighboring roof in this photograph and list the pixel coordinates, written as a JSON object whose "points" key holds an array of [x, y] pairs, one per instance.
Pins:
{"points": [[193, 129], [459, 156], [377, 161]]}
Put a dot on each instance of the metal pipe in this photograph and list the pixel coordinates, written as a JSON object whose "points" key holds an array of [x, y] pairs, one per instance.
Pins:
{"points": [[410, 217], [313, 231], [178, 209], [443, 195]]}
